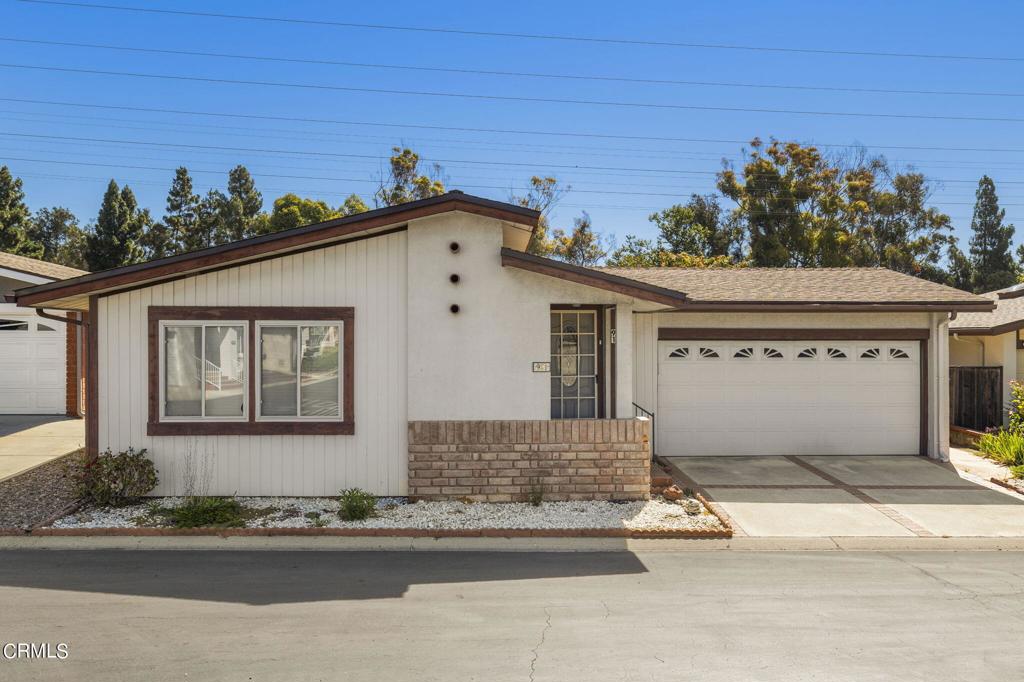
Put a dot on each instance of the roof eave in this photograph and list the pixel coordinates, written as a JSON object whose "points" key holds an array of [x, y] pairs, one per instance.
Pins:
{"points": [[591, 278], [154, 272], [835, 306]]}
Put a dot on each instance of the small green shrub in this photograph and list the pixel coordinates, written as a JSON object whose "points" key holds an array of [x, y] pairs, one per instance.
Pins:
{"points": [[1017, 471], [116, 480], [1016, 409], [1004, 447], [206, 512], [356, 504]]}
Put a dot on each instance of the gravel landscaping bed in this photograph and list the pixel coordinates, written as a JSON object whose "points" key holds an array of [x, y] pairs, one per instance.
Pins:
{"points": [[34, 496], [396, 513]]}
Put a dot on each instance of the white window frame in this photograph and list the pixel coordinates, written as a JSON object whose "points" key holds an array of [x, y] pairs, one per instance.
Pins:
{"points": [[258, 371], [161, 359]]}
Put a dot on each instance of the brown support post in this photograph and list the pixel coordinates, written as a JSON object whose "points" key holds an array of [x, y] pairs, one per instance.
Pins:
{"points": [[92, 378]]}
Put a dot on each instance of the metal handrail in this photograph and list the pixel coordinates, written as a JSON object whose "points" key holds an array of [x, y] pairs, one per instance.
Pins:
{"points": [[639, 411]]}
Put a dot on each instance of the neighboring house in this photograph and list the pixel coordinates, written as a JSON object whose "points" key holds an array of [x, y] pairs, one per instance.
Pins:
{"points": [[991, 341], [39, 357], [419, 350]]}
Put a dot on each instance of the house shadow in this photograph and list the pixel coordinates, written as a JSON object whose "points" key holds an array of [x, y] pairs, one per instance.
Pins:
{"points": [[281, 577]]}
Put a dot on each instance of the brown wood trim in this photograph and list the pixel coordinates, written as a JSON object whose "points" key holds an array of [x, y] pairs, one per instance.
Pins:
{"points": [[303, 428], [251, 314], [92, 379], [760, 334], [281, 241], [833, 307], [923, 436], [1016, 325], [613, 352], [172, 312], [592, 278]]}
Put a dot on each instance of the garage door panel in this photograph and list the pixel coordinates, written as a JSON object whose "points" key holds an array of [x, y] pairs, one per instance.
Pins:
{"points": [[32, 370], [761, 404]]}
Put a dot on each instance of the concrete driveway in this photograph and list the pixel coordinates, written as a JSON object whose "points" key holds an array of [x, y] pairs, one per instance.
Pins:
{"points": [[26, 441], [830, 496]]}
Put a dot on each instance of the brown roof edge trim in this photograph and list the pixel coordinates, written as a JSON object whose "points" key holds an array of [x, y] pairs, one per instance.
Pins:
{"points": [[592, 278], [831, 307], [279, 241], [988, 331]]}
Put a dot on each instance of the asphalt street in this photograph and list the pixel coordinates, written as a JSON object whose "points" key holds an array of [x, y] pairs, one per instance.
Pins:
{"points": [[717, 615]]}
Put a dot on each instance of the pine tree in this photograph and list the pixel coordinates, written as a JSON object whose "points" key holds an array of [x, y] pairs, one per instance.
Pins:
{"points": [[991, 260], [116, 236], [241, 209], [210, 212], [181, 217], [15, 219]]}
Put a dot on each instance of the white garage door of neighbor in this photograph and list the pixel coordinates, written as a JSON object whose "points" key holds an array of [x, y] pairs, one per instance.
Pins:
{"points": [[32, 365], [788, 398]]}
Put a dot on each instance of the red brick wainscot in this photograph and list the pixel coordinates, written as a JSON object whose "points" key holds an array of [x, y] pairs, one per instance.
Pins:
{"points": [[509, 461]]}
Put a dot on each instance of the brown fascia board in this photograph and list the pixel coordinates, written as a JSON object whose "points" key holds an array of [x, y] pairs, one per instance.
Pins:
{"points": [[197, 261], [592, 278], [988, 331]]}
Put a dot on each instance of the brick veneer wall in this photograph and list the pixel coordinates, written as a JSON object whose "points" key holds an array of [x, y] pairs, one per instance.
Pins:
{"points": [[503, 461], [71, 392]]}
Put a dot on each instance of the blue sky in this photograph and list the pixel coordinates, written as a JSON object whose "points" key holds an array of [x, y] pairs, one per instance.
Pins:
{"points": [[618, 181]]}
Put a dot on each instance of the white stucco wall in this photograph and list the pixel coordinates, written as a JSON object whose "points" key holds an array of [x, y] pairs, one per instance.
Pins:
{"points": [[368, 275], [646, 351], [477, 364]]}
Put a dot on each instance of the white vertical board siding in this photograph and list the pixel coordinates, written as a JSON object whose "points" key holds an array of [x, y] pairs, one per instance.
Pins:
{"points": [[369, 275]]}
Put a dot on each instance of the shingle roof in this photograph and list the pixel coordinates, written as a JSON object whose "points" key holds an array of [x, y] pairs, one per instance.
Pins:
{"points": [[41, 268], [797, 285], [1008, 315]]}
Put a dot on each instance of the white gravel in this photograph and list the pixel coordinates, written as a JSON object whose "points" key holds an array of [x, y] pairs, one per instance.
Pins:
{"points": [[291, 512]]}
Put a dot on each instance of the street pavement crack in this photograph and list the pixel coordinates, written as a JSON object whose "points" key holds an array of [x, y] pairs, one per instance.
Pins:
{"points": [[543, 636]]}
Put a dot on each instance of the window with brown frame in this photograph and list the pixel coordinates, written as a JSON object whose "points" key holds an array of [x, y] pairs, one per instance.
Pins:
{"points": [[250, 371]]}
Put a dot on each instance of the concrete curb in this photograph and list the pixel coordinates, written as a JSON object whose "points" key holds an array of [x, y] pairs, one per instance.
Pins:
{"points": [[510, 544]]}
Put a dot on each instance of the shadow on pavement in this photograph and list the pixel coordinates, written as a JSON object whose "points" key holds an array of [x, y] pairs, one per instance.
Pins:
{"points": [[289, 577]]}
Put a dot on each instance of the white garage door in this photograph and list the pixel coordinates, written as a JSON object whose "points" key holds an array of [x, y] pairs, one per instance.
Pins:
{"points": [[32, 365], [788, 398]]}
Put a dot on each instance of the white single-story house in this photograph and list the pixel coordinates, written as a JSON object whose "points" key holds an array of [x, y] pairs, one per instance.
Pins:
{"points": [[39, 349], [419, 350], [989, 341]]}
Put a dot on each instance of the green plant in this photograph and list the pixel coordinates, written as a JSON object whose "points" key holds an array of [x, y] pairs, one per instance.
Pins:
{"points": [[689, 493], [116, 480], [1005, 447], [536, 495], [205, 512], [1017, 471], [1016, 410], [356, 504]]}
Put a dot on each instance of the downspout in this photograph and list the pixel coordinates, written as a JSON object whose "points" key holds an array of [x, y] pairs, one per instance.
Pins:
{"points": [[56, 318]]}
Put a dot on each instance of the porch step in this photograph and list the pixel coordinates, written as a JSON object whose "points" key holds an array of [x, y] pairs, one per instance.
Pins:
{"points": [[659, 479]]}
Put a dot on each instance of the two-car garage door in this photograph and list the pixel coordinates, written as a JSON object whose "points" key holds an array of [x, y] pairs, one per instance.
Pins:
{"points": [[788, 398]]}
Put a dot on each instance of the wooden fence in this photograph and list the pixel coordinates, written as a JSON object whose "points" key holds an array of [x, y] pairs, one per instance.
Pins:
{"points": [[976, 397]]}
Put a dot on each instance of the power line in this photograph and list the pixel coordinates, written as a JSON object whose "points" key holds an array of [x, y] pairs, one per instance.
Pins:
{"points": [[511, 98], [507, 131], [513, 74], [530, 36], [370, 156]]}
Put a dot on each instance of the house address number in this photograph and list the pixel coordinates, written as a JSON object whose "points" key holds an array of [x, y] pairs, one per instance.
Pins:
{"points": [[542, 367]]}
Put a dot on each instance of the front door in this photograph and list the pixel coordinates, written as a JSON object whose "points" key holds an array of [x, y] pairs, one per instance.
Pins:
{"points": [[576, 364]]}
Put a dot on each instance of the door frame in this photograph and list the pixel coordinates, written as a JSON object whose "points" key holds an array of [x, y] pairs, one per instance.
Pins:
{"points": [[919, 334], [599, 323]]}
